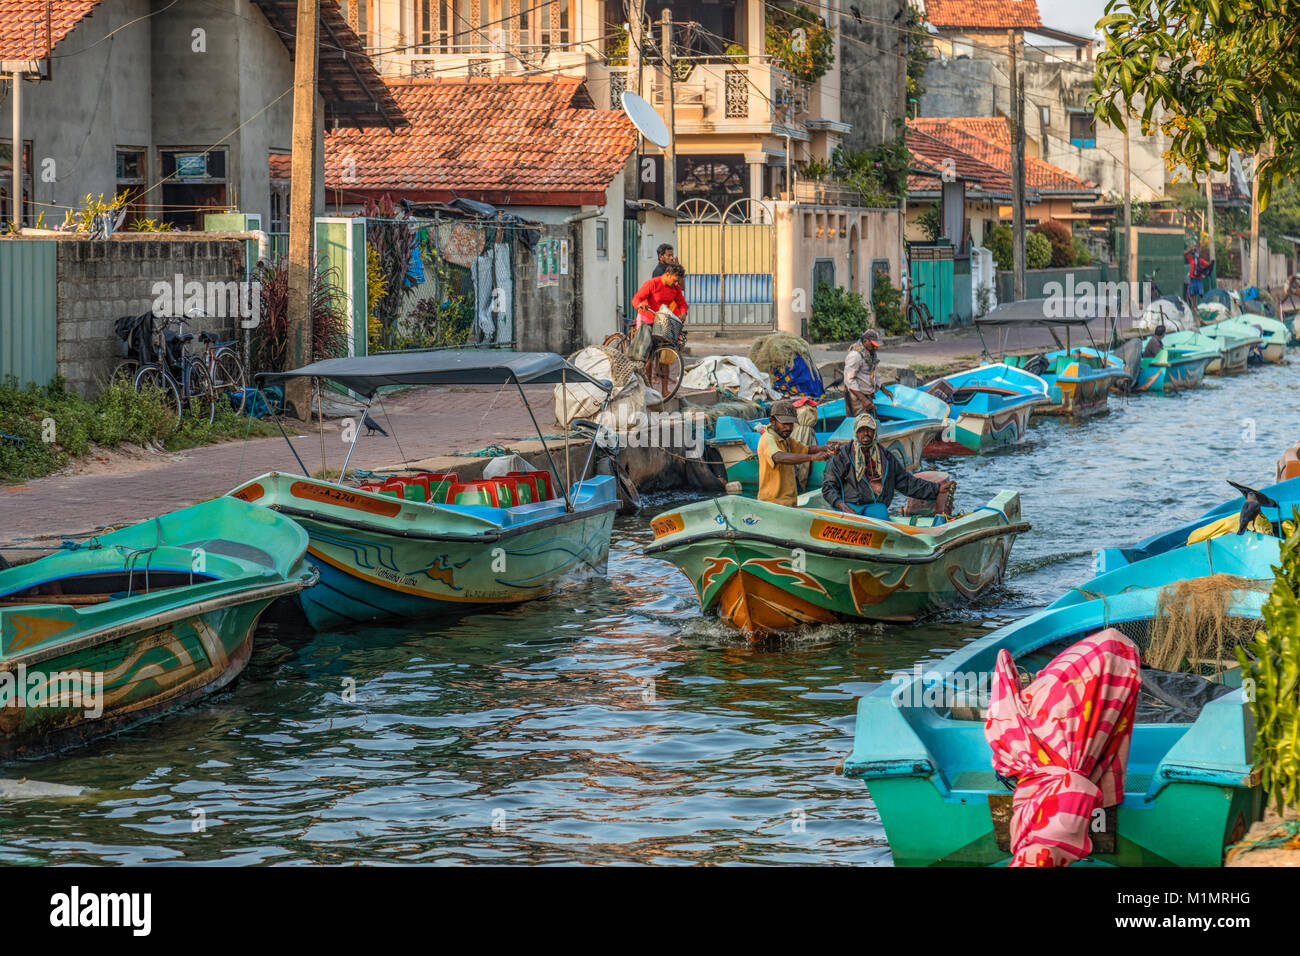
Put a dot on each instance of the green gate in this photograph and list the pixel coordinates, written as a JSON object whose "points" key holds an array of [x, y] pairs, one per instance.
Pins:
{"points": [[631, 256], [931, 278]]}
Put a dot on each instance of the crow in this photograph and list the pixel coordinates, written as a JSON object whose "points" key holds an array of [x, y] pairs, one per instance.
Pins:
{"points": [[372, 426]]}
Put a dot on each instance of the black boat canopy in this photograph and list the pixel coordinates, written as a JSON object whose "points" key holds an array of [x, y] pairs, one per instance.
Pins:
{"points": [[366, 375], [1029, 313]]}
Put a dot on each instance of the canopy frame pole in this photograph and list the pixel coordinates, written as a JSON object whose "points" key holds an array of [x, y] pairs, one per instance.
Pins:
{"points": [[355, 435], [568, 429], [591, 452], [287, 442], [568, 503]]}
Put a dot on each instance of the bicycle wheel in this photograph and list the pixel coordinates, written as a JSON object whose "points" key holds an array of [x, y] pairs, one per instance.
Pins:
{"points": [[152, 379], [616, 341], [927, 322], [914, 319], [663, 371], [228, 380], [200, 395], [125, 372]]}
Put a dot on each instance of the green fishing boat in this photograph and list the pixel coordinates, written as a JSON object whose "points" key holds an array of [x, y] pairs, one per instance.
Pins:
{"points": [[765, 567], [119, 629]]}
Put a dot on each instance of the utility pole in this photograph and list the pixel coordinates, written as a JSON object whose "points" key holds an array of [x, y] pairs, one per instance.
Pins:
{"points": [[1254, 219], [1017, 105], [16, 205], [670, 151], [1209, 212], [635, 40], [1130, 241], [302, 205]]}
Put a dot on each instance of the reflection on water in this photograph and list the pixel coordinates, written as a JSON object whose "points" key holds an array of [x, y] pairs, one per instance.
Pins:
{"points": [[610, 723]]}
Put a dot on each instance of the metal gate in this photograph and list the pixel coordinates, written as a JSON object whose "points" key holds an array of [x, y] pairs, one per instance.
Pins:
{"points": [[631, 256], [28, 310], [728, 259]]}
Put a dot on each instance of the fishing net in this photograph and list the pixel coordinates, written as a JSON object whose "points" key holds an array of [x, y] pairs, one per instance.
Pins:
{"points": [[1194, 630], [804, 432], [778, 350]]}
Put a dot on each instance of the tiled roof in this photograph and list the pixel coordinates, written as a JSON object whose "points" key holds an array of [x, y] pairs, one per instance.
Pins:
{"points": [[983, 14], [939, 155], [518, 140], [988, 139], [23, 33]]}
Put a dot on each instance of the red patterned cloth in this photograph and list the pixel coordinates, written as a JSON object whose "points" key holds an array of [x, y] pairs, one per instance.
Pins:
{"points": [[1065, 740]]}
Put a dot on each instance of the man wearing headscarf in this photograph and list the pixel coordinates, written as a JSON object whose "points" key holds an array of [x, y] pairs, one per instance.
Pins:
{"points": [[861, 380], [862, 477]]}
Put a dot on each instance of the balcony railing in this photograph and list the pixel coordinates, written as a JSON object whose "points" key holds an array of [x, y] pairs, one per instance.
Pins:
{"points": [[825, 193]]}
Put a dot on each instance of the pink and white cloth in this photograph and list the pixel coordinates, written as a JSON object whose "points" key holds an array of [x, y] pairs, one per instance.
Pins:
{"points": [[1065, 739]]}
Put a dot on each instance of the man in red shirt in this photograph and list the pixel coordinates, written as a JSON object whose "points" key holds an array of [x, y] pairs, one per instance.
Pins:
{"points": [[661, 290]]}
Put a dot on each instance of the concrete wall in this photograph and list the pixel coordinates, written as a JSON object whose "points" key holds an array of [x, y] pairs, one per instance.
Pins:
{"points": [[550, 318], [99, 281], [871, 82]]}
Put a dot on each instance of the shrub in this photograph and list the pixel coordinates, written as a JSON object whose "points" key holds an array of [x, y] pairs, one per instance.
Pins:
{"points": [[1061, 238], [998, 242], [1081, 255], [887, 301], [838, 315], [931, 222], [1038, 251], [329, 332]]}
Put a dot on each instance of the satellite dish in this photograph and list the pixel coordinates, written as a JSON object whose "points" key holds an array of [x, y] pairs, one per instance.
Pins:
{"points": [[645, 119]]}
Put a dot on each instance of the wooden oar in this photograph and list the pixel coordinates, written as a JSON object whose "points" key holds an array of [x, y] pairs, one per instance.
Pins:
{"points": [[75, 599]]}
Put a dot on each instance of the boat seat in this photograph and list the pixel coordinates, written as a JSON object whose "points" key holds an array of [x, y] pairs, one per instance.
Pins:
{"points": [[541, 481], [484, 493], [522, 491], [233, 549]]}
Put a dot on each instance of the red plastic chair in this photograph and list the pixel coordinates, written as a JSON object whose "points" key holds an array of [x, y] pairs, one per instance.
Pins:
{"points": [[474, 493]]}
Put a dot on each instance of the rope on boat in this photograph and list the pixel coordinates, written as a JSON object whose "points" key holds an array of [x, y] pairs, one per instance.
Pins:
{"points": [[1289, 837]]}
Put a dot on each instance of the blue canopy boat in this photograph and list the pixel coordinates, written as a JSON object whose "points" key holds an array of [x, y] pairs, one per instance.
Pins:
{"points": [[990, 408], [1285, 493], [1078, 379], [898, 403], [429, 543], [1190, 787]]}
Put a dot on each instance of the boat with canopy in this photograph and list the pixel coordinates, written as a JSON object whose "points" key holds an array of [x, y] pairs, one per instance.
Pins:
{"points": [[423, 543]]}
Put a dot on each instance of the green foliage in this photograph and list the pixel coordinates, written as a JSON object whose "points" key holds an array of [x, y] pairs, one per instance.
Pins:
{"points": [[931, 221], [327, 302], [918, 53], [737, 53], [395, 241], [798, 40], [1282, 217], [1061, 238], [140, 224], [878, 173], [1211, 75], [887, 301], [1272, 665], [815, 169], [74, 426], [998, 241], [1080, 254], [838, 315], [1038, 251]]}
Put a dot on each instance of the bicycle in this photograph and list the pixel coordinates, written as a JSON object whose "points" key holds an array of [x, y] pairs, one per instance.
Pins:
{"points": [[225, 370], [183, 380], [919, 317], [664, 363]]}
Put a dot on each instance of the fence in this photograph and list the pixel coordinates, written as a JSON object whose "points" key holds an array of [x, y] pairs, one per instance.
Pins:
{"points": [[28, 309]]}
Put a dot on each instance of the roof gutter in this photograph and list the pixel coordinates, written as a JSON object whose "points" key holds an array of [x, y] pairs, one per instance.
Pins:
{"points": [[590, 214]]}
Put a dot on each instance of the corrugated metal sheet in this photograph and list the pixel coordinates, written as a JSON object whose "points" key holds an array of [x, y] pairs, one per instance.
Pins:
{"points": [[28, 309]]}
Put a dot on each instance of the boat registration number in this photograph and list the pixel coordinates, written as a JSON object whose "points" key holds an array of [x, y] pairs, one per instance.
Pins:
{"points": [[344, 499], [667, 524], [843, 534]]}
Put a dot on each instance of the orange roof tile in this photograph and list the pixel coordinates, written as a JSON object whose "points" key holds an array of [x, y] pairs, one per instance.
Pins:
{"points": [[983, 14], [988, 139], [518, 140], [938, 155], [25, 33]]}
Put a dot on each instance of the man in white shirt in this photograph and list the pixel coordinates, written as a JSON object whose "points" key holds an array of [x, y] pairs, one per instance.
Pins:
{"points": [[860, 379]]}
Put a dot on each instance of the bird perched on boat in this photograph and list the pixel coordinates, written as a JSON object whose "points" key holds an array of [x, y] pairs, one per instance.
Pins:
{"points": [[372, 426]]}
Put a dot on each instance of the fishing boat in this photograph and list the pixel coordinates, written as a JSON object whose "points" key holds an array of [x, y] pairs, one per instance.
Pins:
{"points": [[1234, 333], [736, 442], [1078, 380], [128, 625], [1285, 493], [1232, 354], [1288, 466], [1272, 332], [766, 567], [425, 543], [1173, 369], [990, 406], [1190, 785], [898, 403]]}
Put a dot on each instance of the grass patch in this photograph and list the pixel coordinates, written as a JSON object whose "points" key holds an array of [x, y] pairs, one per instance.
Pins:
{"points": [[924, 371], [47, 427]]}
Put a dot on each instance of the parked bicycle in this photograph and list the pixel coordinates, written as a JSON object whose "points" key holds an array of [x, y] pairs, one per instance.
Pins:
{"points": [[182, 379], [662, 367], [918, 315]]}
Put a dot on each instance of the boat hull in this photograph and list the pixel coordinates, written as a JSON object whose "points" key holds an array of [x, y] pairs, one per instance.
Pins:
{"points": [[973, 433], [764, 568], [384, 558]]}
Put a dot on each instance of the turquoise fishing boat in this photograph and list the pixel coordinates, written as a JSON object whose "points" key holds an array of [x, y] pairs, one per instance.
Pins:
{"points": [[1272, 332], [131, 624], [736, 442], [1173, 369], [1232, 353], [429, 543], [764, 567], [1286, 494], [1190, 788], [990, 406], [899, 403]]}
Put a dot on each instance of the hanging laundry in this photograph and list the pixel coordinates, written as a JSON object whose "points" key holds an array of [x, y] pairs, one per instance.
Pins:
{"points": [[415, 269], [459, 242]]}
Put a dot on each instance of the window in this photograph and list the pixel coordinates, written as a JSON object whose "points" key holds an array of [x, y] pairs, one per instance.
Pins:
{"points": [[281, 172], [463, 26], [193, 183], [823, 273], [721, 179], [7, 182], [133, 180], [602, 238], [1045, 115], [1083, 131]]}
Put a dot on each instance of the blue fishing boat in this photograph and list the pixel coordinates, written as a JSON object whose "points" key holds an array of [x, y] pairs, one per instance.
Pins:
{"points": [[1232, 353], [990, 406], [1190, 785], [1286, 494], [1174, 368], [1079, 380], [421, 544], [899, 403]]}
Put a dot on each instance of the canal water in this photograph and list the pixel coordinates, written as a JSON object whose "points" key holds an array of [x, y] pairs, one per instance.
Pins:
{"points": [[610, 723]]}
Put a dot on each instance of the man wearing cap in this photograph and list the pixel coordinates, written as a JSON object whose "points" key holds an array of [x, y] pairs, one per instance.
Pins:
{"points": [[1155, 343], [778, 453], [860, 379], [861, 478]]}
